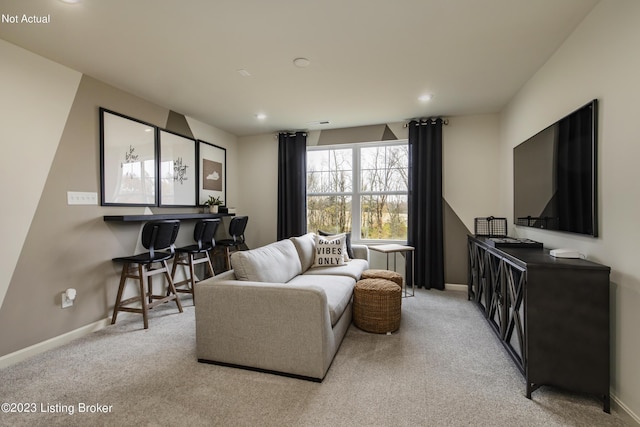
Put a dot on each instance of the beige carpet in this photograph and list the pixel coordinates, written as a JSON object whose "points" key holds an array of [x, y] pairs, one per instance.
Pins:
{"points": [[444, 367]]}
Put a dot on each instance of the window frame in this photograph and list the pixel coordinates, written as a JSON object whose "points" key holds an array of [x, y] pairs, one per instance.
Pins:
{"points": [[356, 193]]}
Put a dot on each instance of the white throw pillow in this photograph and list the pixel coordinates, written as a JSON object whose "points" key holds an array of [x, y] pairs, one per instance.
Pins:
{"points": [[330, 251], [348, 254], [345, 250]]}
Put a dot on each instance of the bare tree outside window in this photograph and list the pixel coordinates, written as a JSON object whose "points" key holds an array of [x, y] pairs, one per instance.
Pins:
{"points": [[383, 185], [366, 183], [329, 189]]}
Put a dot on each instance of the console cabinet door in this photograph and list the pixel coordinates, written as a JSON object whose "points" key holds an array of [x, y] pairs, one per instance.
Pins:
{"points": [[477, 275], [495, 283], [514, 284]]}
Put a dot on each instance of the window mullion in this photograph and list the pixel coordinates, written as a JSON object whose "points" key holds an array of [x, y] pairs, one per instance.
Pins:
{"points": [[355, 199]]}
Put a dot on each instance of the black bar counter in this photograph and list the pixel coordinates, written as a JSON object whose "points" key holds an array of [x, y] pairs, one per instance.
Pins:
{"points": [[180, 216]]}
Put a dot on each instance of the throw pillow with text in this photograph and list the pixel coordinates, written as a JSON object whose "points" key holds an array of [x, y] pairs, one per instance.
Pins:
{"points": [[329, 251]]}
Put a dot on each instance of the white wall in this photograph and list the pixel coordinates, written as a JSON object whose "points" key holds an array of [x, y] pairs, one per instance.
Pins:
{"points": [[599, 60], [258, 181], [470, 150], [29, 141]]}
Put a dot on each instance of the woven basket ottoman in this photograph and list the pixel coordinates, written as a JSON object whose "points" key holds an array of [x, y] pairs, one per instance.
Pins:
{"points": [[376, 305], [383, 274]]}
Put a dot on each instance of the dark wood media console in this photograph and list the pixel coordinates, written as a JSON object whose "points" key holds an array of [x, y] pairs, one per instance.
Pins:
{"points": [[551, 314]]}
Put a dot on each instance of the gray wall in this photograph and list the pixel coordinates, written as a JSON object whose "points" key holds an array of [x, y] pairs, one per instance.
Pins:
{"points": [[51, 246], [470, 173], [599, 60]]}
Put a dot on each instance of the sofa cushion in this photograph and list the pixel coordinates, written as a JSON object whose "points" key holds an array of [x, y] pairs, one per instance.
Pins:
{"points": [[276, 262], [338, 290], [329, 251], [353, 269], [306, 247]]}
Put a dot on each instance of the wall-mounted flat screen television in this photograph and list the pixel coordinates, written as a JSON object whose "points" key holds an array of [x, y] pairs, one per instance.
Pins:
{"points": [[555, 175]]}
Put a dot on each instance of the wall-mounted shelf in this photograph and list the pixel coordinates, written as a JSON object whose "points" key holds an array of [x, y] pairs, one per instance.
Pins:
{"points": [[142, 217]]}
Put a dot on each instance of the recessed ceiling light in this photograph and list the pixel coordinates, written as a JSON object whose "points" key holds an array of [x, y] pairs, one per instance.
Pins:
{"points": [[301, 62], [261, 116], [426, 97], [70, 1]]}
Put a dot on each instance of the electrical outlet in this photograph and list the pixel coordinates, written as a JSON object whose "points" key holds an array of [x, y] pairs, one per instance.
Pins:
{"points": [[82, 198], [66, 302]]}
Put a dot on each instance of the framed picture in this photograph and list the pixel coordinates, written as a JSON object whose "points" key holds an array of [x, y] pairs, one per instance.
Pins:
{"points": [[178, 178], [128, 167], [212, 162]]}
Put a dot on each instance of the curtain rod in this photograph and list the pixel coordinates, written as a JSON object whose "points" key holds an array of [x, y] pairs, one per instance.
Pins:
{"points": [[423, 121], [291, 132]]}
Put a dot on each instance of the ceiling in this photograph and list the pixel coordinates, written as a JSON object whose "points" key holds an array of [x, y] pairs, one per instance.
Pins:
{"points": [[370, 60]]}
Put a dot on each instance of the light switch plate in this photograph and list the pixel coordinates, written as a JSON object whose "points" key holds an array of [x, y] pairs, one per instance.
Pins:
{"points": [[82, 198]]}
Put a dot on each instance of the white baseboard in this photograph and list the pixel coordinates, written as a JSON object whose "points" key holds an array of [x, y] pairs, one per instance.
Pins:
{"points": [[25, 353], [455, 287], [629, 417]]}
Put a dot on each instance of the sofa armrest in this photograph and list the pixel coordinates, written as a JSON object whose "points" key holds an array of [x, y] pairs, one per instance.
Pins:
{"points": [[267, 326], [361, 251]]}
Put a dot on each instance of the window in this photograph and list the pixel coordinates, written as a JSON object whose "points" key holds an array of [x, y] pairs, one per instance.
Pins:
{"points": [[360, 188]]}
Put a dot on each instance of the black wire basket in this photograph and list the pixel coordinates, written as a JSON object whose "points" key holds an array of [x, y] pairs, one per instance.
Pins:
{"points": [[490, 227]]}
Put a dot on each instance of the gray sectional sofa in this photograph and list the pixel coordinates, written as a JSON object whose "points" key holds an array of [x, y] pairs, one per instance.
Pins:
{"points": [[275, 312]]}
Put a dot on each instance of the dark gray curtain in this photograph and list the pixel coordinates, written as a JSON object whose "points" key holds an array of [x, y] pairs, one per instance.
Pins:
{"points": [[574, 173], [292, 184], [425, 228]]}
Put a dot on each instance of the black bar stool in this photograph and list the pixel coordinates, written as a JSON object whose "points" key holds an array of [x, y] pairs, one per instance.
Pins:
{"points": [[236, 230], [192, 255], [157, 236]]}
